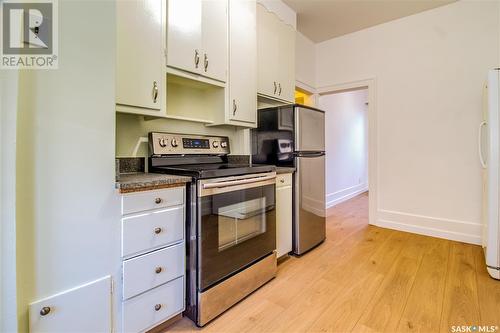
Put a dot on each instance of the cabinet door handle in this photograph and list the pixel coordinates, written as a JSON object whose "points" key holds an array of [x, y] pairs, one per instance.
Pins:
{"points": [[45, 311], [158, 231], [158, 270], [157, 307], [196, 58], [275, 87], [279, 92], [235, 107], [206, 62], [155, 91]]}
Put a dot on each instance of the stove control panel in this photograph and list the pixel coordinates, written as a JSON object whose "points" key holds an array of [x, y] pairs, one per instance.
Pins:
{"points": [[175, 144]]}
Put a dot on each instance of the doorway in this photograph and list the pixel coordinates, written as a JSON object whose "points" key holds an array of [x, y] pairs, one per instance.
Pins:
{"points": [[351, 142], [346, 123]]}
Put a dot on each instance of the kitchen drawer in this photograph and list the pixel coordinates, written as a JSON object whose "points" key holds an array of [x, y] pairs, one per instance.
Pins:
{"points": [[141, 201], [284, 179], [150, 270], [144, 232], [154, 307]]}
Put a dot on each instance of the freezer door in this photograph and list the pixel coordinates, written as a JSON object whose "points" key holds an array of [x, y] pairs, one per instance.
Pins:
{"points": [[309, 222], [309, 130]]}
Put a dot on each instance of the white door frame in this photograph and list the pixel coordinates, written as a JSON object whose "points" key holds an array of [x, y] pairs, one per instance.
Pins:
{"points": [[370, 84]]}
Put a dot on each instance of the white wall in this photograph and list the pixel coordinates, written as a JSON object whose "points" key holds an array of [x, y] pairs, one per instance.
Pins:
{"points": [[68, 225], [305, 62], [8, 114], [429, 70], [346, 121]]}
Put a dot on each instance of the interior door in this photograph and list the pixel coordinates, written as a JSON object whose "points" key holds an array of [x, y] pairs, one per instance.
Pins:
{"points": [[139, 41], [184, 44], [242, 61], [309, 130], [310, 197], [214, 39]]}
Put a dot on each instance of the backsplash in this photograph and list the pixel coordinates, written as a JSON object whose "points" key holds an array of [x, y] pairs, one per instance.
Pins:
{"points": [[129, 165], [131, 128]]}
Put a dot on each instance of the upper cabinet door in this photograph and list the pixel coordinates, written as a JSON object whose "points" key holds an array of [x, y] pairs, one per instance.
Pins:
{"points": [[184, 36], [242, 61], [286, 86], [267, 52], [214, 39], [275, 56], [139, 42]]}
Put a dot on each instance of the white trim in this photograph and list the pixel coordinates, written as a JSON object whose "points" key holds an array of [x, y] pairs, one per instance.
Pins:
{"points": [[304, 86], [333, 199], [373, 139], [462, 231], [281, 10], [9, 86]]}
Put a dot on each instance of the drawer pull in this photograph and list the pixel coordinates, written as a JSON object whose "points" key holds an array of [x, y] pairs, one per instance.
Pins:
{"points": [[158, 201], [157, 307], [158, 270], [282, 180], [45, 311], [157, 230]]}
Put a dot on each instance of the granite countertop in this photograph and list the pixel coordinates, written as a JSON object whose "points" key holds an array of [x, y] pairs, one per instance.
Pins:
{"points": [[141, 181], [284, 170]]}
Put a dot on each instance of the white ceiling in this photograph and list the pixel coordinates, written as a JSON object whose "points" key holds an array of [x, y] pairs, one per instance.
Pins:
{"points": [[321, 20]]}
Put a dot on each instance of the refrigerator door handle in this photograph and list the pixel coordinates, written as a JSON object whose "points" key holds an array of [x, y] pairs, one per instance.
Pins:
{"points": [[309, 154], [480, 144]]}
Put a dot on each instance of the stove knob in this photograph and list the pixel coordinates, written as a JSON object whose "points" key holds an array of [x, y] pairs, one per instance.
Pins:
{"points": [[174, 143], [163, 142], [223, 144], [215, 144]]}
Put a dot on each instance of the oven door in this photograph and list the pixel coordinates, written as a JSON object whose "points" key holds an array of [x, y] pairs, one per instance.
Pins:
{"points": [[236, 224]]}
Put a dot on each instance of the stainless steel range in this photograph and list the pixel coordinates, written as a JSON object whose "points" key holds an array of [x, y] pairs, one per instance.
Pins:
{"points": [[231, 223]]}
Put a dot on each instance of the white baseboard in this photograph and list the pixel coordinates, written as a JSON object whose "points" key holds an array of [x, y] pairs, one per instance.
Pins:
{"points": [[335, 198], [462, 231]]}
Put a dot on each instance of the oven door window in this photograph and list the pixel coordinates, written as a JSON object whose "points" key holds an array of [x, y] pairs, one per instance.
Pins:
{"points": [[237, 228]]}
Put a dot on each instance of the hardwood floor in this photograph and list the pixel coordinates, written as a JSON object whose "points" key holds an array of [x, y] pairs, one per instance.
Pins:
{"points": [[368, 279]]}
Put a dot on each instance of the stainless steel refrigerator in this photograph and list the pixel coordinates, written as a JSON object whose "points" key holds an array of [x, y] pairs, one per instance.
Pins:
{"points": [[294, 135]]}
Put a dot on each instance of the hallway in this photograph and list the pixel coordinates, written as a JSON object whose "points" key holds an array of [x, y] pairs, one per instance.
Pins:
{"points": [[366, 278]]}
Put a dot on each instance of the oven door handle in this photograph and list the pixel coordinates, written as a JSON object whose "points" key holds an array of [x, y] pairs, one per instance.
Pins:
{"points": [[230, 183]]}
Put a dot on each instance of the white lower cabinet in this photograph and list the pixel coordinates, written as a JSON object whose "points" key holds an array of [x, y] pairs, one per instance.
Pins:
{"points": [[153, 307], [86, 308], [154, 257], [284, 214], [152, 230], [152, 269]]}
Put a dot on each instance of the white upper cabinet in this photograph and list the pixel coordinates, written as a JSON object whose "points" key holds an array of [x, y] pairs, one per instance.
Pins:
{"points": [[275, 56], [197, 37], [242, 61], [214, 39], [184, 38], [286, 63], [267, 52], [140, 59]]}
